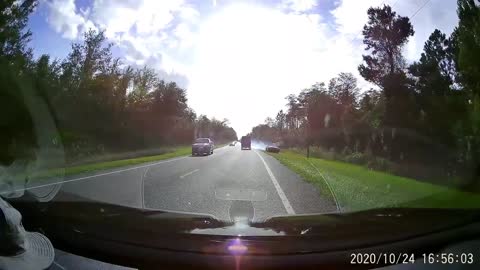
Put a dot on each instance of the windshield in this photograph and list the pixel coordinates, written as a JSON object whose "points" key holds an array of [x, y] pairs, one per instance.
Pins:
{"points": [[337, 106]]}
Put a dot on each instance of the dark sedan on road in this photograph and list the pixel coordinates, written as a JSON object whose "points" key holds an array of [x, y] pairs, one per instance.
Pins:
{"points": [[272, 149], [202, 146]]}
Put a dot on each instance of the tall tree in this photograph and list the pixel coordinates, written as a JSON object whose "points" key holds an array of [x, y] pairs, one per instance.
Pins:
{"points": [[468, 34], [385, 34], [469, 44], [293, 114], [13, 35], [15, 58], [344, 90], [438, 98], [280, 121], [371, 107]]}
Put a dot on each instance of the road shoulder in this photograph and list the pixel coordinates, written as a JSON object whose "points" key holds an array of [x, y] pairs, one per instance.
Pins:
{"points": [[304, 197]]}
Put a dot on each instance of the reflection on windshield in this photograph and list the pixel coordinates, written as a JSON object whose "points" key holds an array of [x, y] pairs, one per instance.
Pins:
{"points": [[372, 106]]}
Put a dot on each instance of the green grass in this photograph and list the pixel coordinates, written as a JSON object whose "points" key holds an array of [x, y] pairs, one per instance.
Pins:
{"points": [[177, 152], [358, 188]]}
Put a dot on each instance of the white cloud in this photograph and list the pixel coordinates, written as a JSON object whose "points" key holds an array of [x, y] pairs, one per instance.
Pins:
{"points": [[143, 28], [138, 27], [64, 18], [249, 66], [145, 18], [433, 16], [184, 35], [241, 60], [276, 53], [189, 14], [299, 5], [351, 15]]}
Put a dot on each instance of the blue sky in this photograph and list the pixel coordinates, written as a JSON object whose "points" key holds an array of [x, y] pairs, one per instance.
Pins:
{"points": [[44, 39], [218, 49]]}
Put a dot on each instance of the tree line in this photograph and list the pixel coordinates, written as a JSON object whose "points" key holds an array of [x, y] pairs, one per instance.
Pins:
{"points": [[99, 104], [426, 113]]}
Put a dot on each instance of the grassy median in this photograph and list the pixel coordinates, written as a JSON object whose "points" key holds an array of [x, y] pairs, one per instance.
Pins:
{"points": [[73, 170], [358, 188], [175, 152]]}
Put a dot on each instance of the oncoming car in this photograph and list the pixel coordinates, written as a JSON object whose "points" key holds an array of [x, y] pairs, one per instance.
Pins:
{"points": [[202, 146]]}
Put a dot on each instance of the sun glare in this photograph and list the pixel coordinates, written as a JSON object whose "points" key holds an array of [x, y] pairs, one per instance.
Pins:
{"points": [[244, 52]]}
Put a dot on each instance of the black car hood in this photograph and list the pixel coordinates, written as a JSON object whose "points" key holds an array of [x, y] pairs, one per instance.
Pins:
{"points": [[309, 233]]}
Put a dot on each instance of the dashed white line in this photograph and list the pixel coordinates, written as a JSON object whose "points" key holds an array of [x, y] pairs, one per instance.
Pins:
{"points": [[103, 174], [59, 265], [281, 194], [189, 173]]}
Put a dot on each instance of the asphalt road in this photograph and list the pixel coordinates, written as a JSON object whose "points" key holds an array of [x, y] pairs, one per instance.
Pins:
{"points": [[231, 182]]}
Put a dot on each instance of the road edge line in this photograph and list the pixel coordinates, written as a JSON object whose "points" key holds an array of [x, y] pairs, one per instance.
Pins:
{"points": [[335, 199], [103, 174], [143, 187], [107, 173], [286, 203]]}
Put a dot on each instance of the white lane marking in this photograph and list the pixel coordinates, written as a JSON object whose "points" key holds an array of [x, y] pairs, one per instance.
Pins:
{"points": [[281, 194], [328, 185], [101, 174], [59, 265], [143, 187], [189, 173]]}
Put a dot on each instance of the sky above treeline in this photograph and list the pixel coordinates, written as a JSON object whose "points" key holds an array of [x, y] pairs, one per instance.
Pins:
{"points": [[237, 59]]}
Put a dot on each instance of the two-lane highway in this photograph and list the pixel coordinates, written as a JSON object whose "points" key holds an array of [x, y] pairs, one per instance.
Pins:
{"points": [[229, 182]]}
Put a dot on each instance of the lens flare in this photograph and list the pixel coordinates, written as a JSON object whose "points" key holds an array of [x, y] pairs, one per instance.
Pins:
{"points": [[236, 247]]}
